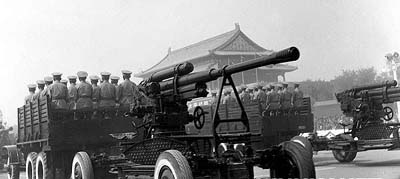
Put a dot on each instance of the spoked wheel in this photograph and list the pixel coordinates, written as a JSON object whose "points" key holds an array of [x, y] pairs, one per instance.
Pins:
{"points": [[42, 167], [12, 170], [304, 142], [294, 163], [30, 165], [344, 156], [171, 164], [82, 166]]}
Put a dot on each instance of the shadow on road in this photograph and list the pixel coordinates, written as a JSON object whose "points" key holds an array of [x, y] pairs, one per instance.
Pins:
{"points": [[395, 162]]}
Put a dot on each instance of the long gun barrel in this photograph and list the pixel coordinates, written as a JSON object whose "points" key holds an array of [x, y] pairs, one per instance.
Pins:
{"points": [[180, 69], [286, 55]]}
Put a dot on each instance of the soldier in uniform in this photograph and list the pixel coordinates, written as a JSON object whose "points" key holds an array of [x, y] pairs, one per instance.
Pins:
{"points": [[58, 93], [64, 81], [297, 98], [114, 81], [250, 91], [84, 101], [48, 81], [273, 103], [214, 98], [96, 90], [72, 92], [261, 97], [129, 92], [107, 94], [286, 99], [245, 96], [228, 99], [40, 84], [31, 96]]}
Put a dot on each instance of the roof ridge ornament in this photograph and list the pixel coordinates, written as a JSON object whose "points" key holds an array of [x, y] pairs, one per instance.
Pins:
{"points": [[169, 50], [237, 26]]}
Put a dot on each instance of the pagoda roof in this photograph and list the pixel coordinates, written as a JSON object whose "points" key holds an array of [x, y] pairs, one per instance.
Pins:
{"points": [[234, 42]]}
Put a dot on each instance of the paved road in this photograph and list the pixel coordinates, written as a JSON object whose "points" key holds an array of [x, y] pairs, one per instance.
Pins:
{"points": [[370, 164]]}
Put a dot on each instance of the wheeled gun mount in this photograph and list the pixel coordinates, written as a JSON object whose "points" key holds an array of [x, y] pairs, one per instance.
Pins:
{"points": [[170, 90]]}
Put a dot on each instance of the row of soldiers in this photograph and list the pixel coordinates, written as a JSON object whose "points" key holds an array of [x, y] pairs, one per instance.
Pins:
{"points": [[271, 97], [83, 95]]}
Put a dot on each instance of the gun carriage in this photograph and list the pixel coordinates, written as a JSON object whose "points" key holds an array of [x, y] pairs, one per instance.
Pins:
{"points": [[371, 127], [162, 147]]}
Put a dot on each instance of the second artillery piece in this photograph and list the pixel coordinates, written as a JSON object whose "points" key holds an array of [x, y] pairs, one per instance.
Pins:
{"points": [[370, 129]]}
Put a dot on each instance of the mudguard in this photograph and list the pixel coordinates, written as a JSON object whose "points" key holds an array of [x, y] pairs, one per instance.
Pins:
{"points": [[12, 153]]}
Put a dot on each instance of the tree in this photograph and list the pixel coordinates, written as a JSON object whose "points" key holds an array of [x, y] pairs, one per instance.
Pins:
{"points": [[351, 78]]}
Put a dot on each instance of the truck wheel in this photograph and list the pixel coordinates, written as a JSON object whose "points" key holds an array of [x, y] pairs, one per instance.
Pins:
{"points": [[304, 142], [171, 164], [344, 156], [294, 163], [42, 167], [82, 166], [30, 165], [12, 170]]}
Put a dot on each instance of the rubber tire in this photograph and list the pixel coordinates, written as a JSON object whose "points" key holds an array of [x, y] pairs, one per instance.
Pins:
{"points": [[344, 157], [42, 159], [299, 156], [176, 162], [31, 162], [83, 159], [14, 173], [304, 142]]}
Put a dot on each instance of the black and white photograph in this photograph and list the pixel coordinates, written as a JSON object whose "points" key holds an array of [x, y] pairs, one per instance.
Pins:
{"points": [[200, 89]]}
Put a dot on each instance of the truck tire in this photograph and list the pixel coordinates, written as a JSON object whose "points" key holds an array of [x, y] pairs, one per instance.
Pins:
{"points": [[82, 166], [344, 156], [304, 142], [171, 164], [42, 167], [30, 165], [13, 170], [295, 162]]}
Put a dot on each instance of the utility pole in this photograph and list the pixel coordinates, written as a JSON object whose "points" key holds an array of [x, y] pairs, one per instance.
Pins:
{"points": [[393, 63]]}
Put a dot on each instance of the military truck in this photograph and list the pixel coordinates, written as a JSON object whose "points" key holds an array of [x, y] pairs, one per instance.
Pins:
{"points": [[151, 140]]}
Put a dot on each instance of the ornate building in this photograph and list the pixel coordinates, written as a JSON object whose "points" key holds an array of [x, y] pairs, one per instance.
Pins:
{"points": [[229, 48]]}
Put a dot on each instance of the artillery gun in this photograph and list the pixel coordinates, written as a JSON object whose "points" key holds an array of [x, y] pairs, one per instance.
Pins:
{"points": [[162, 148], [368, 106]]}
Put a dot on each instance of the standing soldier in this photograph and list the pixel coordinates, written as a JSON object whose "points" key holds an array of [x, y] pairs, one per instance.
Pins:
{"points": [[286, 99], [58, 93], [107, 94], [297, 98], [84, 90], [214, 98], [245, 96], [96, 90], [72, 92], [31, 96], [273, 103], [261, 97], [64, 82], [228, 99], [48, 80], [250, 91], [40, 84], [129, 92], [114, 81]]}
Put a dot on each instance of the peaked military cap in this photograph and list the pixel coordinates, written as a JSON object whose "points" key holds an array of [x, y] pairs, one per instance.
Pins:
{"points": [[48, 79], [40, 82], [64, 81], [82, 74], [94, 78], [72, 77], [32, 86], [56, 74], [105, 73], [114, 78], [285, 85], [126, 72], [296, 84]]}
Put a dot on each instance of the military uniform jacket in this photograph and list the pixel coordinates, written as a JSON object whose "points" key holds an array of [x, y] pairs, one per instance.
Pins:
{"points": [[297, 98], [96, 93], [38, 94], [273, 100], [261, 97], [30, 98], [286, 99], [58, 95], [245, 97], [45, 92], [107, 94], [129, 93], [228, 100], [84, 90]]}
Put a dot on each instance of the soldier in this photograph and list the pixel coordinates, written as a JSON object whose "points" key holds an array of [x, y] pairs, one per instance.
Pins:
{"points": [[250, 91], [84, 101], [107, 94], [31, 96], [261, 97], [286, 99], [245, 96], [273, 103], [96, 90], [228, 99], [72, 92], [128, 91], [48, 81], [214, 98], [64, 82], [58, 93], [114, 81], [297, 98], [40, 85]]}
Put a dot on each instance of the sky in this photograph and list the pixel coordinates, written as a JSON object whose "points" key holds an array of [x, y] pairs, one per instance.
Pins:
{"points": [[44, 36]]}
